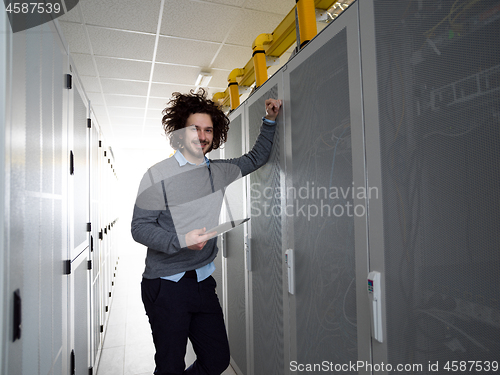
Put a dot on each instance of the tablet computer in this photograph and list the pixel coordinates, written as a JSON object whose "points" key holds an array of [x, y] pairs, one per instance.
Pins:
{"points": [[227, 226]]}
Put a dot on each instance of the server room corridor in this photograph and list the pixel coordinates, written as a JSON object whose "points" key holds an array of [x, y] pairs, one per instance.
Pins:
{"points": [[358, 218]]}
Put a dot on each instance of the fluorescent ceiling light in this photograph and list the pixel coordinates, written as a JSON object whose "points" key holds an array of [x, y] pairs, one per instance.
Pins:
{"points": [[203, 79]]}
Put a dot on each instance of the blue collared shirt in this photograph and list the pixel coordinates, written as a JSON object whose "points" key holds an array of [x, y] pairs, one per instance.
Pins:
{"points": [[203, 272]]}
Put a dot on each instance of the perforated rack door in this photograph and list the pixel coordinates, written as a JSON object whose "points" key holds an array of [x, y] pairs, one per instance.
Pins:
{"points": [[266, 205], [438, 133], [320, 199]]}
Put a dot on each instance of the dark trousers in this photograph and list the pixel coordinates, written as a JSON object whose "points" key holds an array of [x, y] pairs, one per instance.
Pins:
{"points": [[181, 310]]}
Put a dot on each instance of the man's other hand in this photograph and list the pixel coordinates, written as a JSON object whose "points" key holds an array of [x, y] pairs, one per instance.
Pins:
{"points": [[272, 109], [198, 238]]}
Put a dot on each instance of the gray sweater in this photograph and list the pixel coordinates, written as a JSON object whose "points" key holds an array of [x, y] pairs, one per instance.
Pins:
{"points": [[173, 200]]}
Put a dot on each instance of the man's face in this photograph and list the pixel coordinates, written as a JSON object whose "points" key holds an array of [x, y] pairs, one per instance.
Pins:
{"points": [[198, 134]]}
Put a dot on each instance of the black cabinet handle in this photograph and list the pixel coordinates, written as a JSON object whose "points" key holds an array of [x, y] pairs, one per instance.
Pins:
{"points": [[71, 163], [17, 315]]}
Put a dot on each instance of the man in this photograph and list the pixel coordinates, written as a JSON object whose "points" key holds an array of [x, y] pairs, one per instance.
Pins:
{"points": [[179, 199]]}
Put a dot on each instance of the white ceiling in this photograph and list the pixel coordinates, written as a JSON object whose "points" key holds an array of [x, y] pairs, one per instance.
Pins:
{"points": [[131, 55]]}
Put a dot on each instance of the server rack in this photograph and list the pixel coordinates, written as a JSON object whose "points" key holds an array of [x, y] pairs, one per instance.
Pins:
{"points": [[321, 88], [53, 319], [35, 223], [397, 102], [264, 241], [323, 94], [97, 313], [431, 74]]}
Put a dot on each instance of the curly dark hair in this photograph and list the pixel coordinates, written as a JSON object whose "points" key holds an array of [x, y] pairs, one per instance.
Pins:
{"points": [[181, 106]]}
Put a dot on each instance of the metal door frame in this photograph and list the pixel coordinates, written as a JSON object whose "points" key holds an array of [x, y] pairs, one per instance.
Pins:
{"points": [[79, 253], [373, 161], [240, 111], [5, 43]]}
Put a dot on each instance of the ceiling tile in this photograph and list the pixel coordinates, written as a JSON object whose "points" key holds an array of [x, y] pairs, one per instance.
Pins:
{"points": [[281, 7], [122, 131], [231, 57], [155, 110], [125, 101], [219, 79], [126, 112], [131, 122], [72, 16], [123, 145], [154, 114], [197, 20], [175, 74], [161, 90], [154, 124], [236, 3], [90, 84], [117, 43], [186, 52], [118, 86], [250, 25], [100, 112], [137, 15], [123, 69], [95, 98], [84, 64], [75, 36], [157, 103]]}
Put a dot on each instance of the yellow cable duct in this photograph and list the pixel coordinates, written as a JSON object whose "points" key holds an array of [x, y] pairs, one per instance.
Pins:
{"points": [[259, 57], [283, 37], [307, 21], [234, 94]]}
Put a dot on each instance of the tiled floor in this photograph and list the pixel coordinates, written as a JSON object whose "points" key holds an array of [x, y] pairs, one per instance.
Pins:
{"points": [[128, 347]]}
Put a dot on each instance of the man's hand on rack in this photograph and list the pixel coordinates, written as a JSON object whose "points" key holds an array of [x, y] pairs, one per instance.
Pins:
{"points": [[272, 108]]}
